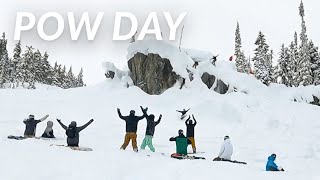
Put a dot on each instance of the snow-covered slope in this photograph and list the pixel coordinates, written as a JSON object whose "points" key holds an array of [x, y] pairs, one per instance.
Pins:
{"points": [[259, 124]]}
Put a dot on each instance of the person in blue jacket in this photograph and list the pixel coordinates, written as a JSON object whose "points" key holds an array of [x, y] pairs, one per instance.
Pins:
{"points": [[271, 165]]}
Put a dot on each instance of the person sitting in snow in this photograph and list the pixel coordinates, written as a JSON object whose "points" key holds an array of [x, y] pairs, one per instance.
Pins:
{"points": [[225, 151], [271, 165], [131, 128], [31, 125], [48, 132], [183, 113], [151, 124], [190, 132], [72, 132], [182, 143]]}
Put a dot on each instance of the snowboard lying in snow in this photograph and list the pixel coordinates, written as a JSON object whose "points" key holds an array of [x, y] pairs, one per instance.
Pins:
{"points": [[181, 157], [226, 160], [73, 148], [22, 138]]}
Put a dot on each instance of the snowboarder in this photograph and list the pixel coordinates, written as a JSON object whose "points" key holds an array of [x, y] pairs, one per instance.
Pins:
{"points": [[31, 125], [225, 151], [48, 132], [72, 132], [182, 143], [183, 113], [271, 165], [151, 124], [131, 128], [190, 132]]}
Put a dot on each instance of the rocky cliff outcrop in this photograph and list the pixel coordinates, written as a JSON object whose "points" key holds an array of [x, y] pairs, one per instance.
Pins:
{"points": [[217, 84], [151, 73]]}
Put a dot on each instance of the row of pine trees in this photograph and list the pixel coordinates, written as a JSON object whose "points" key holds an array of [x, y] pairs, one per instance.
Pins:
{"points": [[297, 65], [31, 67]]}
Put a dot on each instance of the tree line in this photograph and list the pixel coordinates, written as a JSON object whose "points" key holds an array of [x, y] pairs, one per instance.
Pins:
{"points": [[27, 68], [297, 65]]}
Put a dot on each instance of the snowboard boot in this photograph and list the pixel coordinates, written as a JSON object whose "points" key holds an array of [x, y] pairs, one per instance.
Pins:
{"points": [[135, 149], [194, 150]]}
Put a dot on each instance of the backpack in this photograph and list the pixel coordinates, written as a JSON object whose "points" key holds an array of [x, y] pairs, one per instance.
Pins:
{"points": [[71, 132]]}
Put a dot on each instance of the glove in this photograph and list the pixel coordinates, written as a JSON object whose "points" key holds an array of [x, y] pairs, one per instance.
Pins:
{"points": [[160, 115], [91, 120]]}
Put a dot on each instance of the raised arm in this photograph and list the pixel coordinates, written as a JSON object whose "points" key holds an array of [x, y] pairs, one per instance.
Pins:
{"points": [[62, 125], [144, 111], [179, 111], [84, 126], [172, 139], [187, 120], [157, 122], [120, 115], [195, 121], [44, 118], [187, 110]]}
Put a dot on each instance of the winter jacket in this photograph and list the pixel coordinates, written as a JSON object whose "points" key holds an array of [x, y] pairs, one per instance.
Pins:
{"points": [[74, 141], [151, 125], [48, 132], [271, 165], [226, 150], [182, 143], [131, 122], [183, 112], [31, 125], [190, 127]]}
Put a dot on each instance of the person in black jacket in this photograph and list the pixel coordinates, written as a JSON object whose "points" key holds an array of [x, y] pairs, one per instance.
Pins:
{"points": [[151, 125], [31, 125], [183, 113], [190, 132], [73, 131], [131, 128]]}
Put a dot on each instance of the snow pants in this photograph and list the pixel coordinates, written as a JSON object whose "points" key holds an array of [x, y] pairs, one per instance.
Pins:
{"points": [[147, 141], [193, 144], [130, 136]]}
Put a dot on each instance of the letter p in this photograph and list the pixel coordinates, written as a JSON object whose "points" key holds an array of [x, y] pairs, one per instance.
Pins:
{"points": [[20, 27]]}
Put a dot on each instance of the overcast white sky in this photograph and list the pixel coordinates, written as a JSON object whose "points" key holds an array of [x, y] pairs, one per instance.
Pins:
{"points": [[209, 25]]}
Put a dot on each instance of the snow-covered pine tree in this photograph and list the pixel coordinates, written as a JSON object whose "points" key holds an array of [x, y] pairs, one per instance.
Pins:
{"points": [[71, 78], [4, 62], [16, 61], [315, 62], [282, 71], [55, 75], [304, 64], [80, 82], [37, 66], [261, 59], [293, 73], [241, 62], [28, 67], [46, 70]]}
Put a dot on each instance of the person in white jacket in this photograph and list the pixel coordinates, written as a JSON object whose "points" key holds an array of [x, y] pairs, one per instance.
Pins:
{"points": [[226, 150]]}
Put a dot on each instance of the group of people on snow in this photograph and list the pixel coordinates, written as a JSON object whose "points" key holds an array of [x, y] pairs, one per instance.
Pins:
{"points": [[72, 131], [182, 141]]}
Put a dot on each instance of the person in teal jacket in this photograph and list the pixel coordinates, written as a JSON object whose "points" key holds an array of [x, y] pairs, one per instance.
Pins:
{"points": [[271, 165], [182, 143]]}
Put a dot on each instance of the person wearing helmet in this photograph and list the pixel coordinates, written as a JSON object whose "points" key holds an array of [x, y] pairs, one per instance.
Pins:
{"points": [[226, 150], [131, 128], [190, 132], [151, 125], [31, 125], [182, 143], [48, 132], [72, 132], [271, 165]]}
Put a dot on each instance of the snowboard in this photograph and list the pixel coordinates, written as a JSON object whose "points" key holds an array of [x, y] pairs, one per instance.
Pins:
{"points": [[74, 148], [226, 160], [16, 137], [197, 153], [183, 157]]}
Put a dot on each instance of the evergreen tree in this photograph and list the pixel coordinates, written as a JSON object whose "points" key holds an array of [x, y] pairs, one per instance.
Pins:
{"points": [[315, 62], [80, 82], [281, 74], [262, 60], [4, 62], [16, 63], [241, 62], [293, 73], [71, 79], [304, 61]]}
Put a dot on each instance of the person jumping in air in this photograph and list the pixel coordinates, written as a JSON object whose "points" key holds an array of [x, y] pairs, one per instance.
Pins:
{"points": [[131, 128], [31, 125], [225, 151], [182, 143], [271, 165], [190, 132], [151, 124], [48, 132], [72, 132], [183, 113]]}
